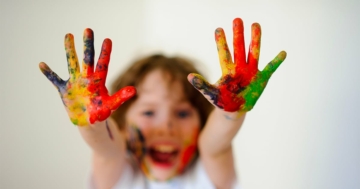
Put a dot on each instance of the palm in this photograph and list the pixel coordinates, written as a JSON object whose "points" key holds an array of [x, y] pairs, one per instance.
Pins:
{"points": [[241, 83], [84, 94]]}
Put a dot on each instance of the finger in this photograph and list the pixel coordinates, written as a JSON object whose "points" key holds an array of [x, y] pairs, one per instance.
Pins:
{"points": [[103, 62], [209, 91], [121, 96], [223, 51], [52, 76], [71, 56], [88, 61], [238, 42], [273, 65], [254, 49]]}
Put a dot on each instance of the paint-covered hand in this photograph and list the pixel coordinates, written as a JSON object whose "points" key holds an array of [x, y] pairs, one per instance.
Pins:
{"points": [[241, 83], [84, 94]]}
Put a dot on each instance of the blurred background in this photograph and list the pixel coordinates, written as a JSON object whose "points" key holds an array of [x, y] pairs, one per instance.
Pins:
{"points": [[303, 133]]}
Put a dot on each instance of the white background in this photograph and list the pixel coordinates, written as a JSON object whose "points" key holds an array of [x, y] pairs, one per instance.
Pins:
{"points": [[303, 133]]}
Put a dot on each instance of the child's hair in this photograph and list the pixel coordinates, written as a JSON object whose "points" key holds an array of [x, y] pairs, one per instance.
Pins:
{"points": [[177, 68]]}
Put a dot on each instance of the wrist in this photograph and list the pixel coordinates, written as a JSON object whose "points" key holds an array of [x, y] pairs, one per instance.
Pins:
{"points": [[234, 116]]}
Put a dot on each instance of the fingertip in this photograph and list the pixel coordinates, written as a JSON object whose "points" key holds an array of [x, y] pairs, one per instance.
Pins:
{"points": [[256, 33], [220, 36], [88, 33], [255, 25], [88, 30], [43, 67], [69, 36], [108, 41], [69, 41], [196, 80], [256, 28], [190, 77], [128, 92], [237, 22], [282, 55], [42, 64], [238, 26], [131, 90], [107, 44], [219, 31]]}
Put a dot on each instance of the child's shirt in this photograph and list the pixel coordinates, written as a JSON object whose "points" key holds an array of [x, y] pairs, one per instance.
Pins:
{"points": [[193, 178]]}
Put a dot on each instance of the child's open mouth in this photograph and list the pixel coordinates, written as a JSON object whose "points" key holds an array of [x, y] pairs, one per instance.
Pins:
{"points": [[163, 155]]}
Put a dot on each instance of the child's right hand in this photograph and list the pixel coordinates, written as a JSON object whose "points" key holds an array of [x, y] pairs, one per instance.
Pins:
{"points": [[84, 94]]}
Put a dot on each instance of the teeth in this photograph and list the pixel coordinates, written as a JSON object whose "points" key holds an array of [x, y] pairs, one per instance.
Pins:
{"points": [[164, 148]]}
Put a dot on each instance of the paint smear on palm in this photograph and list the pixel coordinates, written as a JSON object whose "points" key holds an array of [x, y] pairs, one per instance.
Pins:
{"points": [[84, 94], [241, 83]]}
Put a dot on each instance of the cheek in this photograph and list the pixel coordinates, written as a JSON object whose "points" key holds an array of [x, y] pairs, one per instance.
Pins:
{"points": [[190, 132], [137, 133], [136, 140], [191, 137], [189, 147], [145, 129], [140, 124]]}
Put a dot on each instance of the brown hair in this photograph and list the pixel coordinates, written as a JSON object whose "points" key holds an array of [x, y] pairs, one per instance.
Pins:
{"points": [[178, 69]]}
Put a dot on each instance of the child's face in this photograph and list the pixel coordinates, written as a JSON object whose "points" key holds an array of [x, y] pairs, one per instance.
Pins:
{"points": [[168, 123]]}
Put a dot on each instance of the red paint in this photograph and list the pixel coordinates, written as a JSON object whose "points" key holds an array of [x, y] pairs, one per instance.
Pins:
{"points": [[102, 103], [238, 42], [228, 100], [187, 156]]}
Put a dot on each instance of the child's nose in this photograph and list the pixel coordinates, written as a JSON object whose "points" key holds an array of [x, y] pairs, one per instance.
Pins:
{"points": [[165, 125]]}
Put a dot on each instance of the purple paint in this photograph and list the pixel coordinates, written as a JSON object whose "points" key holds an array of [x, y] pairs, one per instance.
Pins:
{"points": [[108, 130]]}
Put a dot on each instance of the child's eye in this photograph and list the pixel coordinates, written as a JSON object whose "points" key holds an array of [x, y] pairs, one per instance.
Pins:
{"points": [[148, 113], [183, 114]]}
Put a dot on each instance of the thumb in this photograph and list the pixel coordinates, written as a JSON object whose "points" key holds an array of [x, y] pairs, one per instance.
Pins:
{"points": [[52, 76], [121, 96], [273, 65], [208, 90]]}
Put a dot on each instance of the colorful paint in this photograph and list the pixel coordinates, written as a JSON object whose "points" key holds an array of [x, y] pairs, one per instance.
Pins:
{"points": [[84, 94], [241, 83], [136, 142]]}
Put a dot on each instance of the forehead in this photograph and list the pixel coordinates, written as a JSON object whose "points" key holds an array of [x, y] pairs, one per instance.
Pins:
{"points": [[160, 84]]}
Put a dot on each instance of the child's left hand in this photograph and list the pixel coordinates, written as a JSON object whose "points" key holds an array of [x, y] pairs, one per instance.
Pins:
{"points": [[241, 83]]}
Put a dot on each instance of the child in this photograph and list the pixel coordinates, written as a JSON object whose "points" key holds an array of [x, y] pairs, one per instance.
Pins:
{"points": [[174, 136]]}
